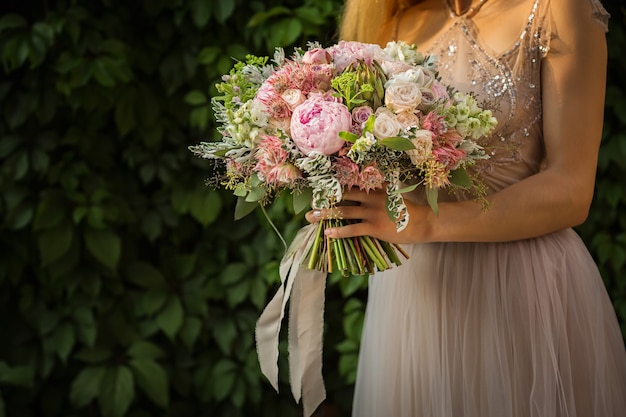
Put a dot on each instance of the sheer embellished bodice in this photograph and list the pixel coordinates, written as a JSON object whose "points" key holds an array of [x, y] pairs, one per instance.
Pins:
{"points": [[508, 80]]}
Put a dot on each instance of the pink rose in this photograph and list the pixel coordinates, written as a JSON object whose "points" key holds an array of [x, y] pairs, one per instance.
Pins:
{"points": [[316, 123], [361, 114], [439, 90], [317, 56]]}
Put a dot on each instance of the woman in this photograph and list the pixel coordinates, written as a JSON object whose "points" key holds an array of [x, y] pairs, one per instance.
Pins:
{"points": [[498, 312]]}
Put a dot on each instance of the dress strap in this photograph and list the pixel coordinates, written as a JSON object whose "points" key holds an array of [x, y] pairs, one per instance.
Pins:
{"points": [[600, 14], [396, 23], [470, 12]]}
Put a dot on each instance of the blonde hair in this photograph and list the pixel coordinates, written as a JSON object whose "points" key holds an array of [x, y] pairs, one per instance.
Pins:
{"points": [[362, 19]]}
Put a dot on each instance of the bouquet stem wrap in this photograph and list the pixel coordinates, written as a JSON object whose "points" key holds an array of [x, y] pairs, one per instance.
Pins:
{"points": [[306, 288]]}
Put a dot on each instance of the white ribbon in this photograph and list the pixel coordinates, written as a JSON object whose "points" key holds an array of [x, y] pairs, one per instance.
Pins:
{"points": [[306, 325]]}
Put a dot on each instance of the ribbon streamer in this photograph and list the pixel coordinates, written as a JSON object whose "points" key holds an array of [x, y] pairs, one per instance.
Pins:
{"points": [[306, 325]]}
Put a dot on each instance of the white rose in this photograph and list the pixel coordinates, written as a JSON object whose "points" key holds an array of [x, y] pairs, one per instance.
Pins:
{"points": [[385, 124], [403, 96], [423, 142], [420, 76], [391, 68], [293, 97]]}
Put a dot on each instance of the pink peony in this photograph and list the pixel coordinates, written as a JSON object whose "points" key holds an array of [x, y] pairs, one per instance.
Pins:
{"points": [[346, 53], [316, 123]]}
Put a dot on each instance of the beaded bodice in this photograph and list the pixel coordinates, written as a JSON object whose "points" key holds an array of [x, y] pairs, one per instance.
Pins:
{"points": [[510, 82]]}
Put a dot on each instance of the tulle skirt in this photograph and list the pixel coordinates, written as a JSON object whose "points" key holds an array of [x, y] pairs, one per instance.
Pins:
{"points": [[516, 329]]}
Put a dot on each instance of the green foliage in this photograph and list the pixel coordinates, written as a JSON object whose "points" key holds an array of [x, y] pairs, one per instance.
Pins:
{"points": [[126, 286]]}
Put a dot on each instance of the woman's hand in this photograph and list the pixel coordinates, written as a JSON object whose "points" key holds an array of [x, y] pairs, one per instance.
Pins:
{"points": [[369, 210]]}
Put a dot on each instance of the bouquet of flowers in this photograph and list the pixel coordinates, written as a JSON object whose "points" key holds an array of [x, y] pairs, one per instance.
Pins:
{"points": [[315, 125], [350, 115]]}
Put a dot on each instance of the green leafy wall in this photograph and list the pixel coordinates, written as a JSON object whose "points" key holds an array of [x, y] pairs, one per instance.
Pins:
{"points": [[126, 289]]}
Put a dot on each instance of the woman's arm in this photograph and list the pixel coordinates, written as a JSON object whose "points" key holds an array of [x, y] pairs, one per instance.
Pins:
{"points": [[573, 86]]}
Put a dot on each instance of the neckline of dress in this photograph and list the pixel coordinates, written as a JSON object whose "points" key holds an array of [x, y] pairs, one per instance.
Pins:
{"points": [[468, 26], [467, 14]]}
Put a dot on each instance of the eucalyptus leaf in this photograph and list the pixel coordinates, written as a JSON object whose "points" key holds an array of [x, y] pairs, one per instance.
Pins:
{"points": [[257, 193], [407, 189], [302, 200], [461, 178], [243, 208], [432, 195]]}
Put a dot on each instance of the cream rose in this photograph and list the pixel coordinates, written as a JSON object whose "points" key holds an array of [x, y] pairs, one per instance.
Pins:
{"points": [[407, 120], [293, 97], [423, 141], [403, 96], [385, 124]]}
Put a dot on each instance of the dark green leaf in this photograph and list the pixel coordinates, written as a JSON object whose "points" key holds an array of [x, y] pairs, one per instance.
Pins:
{"points": [[117, 390], [262, 17], [225, 371], [93, 355], [62, 340], [152, 380], [190, 331], [145, 275], [19, 376], [195, 98], [223, 9], [104, 245], [170, 319], [86, 385], [225, 333], [11, 21], [142, 349], [205, 205], [55, 242], [200, 12]]}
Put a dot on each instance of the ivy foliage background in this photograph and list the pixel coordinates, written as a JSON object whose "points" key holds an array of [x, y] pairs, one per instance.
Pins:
{"points": [[126, 289]]}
